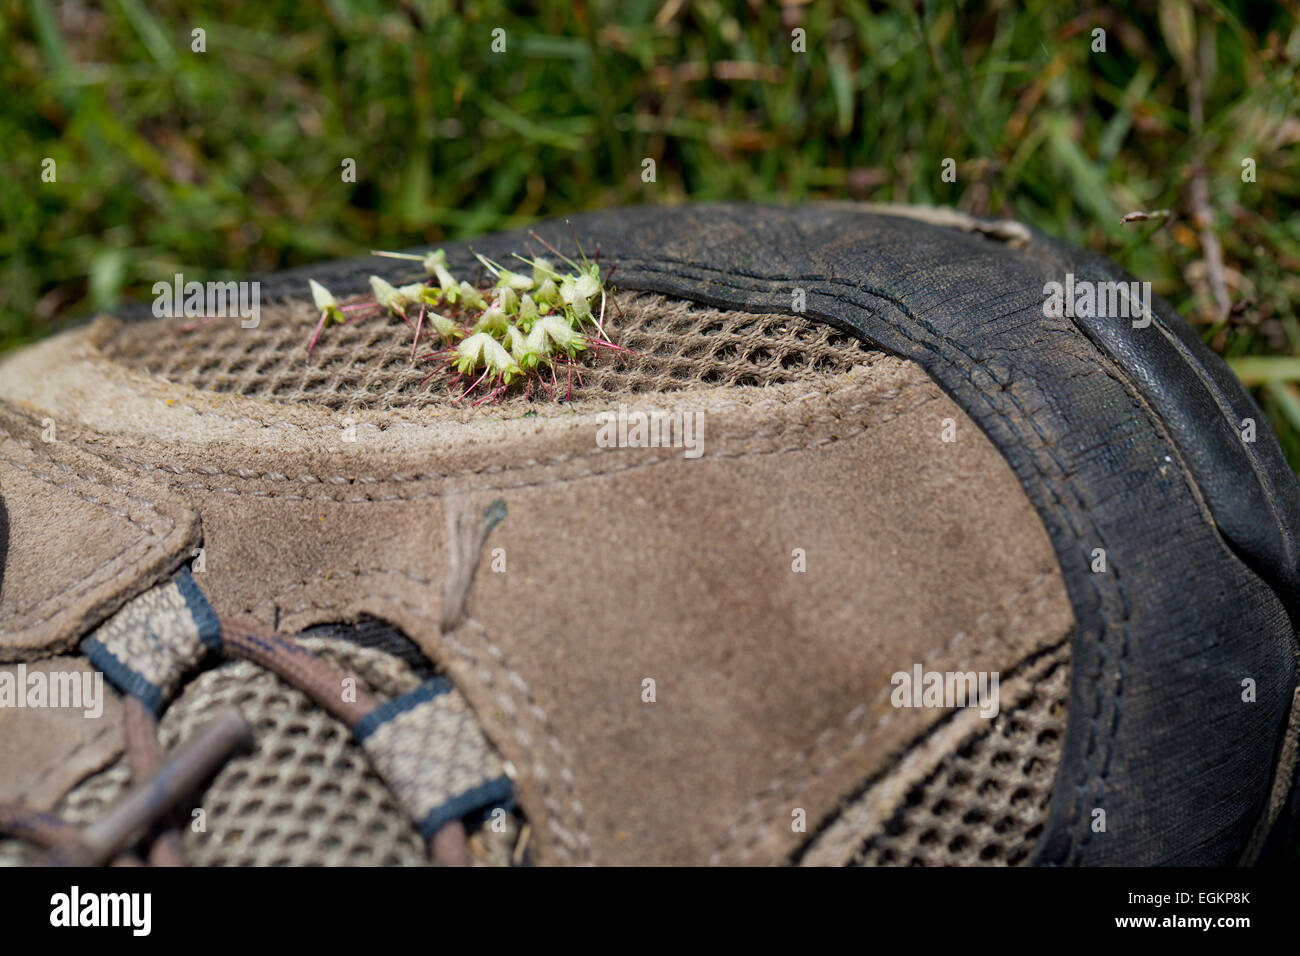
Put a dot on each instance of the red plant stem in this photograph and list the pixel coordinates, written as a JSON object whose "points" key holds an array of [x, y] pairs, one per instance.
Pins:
{"points": [[202, 320], [475, 385], [548, 245], [606, 344], [324, 315], [490, 395], [418, 325]]}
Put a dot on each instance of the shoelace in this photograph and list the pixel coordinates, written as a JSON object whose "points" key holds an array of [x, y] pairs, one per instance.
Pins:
{"points": [[164, 781]]}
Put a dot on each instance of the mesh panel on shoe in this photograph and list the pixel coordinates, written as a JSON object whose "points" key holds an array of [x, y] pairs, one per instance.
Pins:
{"points": [[986, 801], [367, 364], [380, 635], [305, 795]]}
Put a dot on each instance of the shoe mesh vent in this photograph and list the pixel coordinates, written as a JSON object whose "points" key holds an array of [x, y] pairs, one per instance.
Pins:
{"points": [[366, 365]]}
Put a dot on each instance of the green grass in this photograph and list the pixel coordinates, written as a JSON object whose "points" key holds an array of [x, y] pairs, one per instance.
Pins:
{"points": [[219, 163]]}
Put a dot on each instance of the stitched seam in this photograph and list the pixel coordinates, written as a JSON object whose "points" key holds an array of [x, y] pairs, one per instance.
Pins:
{"points": [[520, 687], [48, 479], [832, 394], [21, 618], [122, 490], [608, 468]]}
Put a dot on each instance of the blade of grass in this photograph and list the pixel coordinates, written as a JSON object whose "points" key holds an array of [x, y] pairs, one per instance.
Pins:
{"points": [[155, 38], [1287, 397], [1264, 369]]}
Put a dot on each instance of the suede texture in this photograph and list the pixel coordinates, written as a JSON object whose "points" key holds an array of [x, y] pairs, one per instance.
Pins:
{"points": [[46, 751], [80, 537], [620, 565]]}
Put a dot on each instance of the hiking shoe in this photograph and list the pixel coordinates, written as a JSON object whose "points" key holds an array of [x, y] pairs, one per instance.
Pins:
{"points": [[821, 535]]}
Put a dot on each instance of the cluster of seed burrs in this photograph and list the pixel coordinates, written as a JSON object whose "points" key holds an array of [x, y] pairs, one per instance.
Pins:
{"points": [[520, 331]]}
